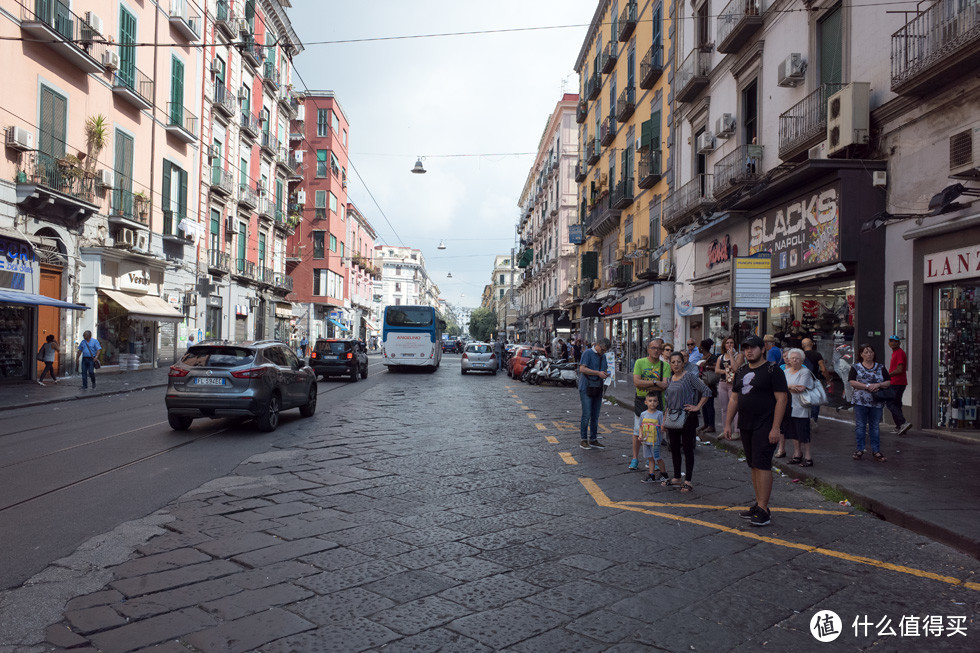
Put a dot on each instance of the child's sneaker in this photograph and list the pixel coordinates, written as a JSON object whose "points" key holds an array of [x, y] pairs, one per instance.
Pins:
{"points": [[650, 479], [634, 464], [663, 477]]}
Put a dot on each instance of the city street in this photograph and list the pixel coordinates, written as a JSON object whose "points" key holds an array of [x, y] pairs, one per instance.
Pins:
{"points": [[434, 512]]}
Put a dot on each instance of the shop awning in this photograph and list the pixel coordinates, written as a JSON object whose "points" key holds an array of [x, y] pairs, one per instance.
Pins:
{"points": [[30, 299], [371, 325], [807, 275], [144, 307], [338, 324]]}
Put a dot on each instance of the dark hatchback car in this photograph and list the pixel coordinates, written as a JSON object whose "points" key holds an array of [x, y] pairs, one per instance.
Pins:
{"points": [[250, 379], [339, 357]]}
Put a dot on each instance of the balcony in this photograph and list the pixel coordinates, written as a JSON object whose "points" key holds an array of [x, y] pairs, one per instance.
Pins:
{"points": [[592, 151], [247, 197], [252, 52], [648, 168], [181, 123], [805, 123], [652, 66], [283, 282], [270, 76], [219, 262], [619, 275], [581, 171], [627, 21], [264, 275], [264, 207], [581, 111], [52, 23], [939, 46], [269, 143], [626, 104], [224, 102], [738, 21], [687, 202], [602, 219], [692, 76], [249, 124], [583, 289], [58, 187], [622, 194], [593, 86], [244, 269], [187, 24], [222, 181], [128, 210], [172, 228], [224, 20], [738, 169], [607, 131], [609, 57], [132, 86]]}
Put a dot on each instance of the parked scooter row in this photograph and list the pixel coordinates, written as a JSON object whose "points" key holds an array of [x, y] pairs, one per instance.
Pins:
{"points": [[550, 370]]}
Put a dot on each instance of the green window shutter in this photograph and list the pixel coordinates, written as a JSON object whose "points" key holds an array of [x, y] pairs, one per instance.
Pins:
{"points": [[182, 193], [54, 123], [655, 130], [658, 25], [123, 166], [262, 249], [167, 181], [590, 265], [176, 92], [127, 51], [215, 222], [242, 241], [645, 133]]}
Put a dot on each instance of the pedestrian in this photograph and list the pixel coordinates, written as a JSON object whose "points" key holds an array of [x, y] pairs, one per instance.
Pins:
{"points": [[706, 368], [817, 366], [693, 353], [89, 350], [726, 366], [498, 352], [555, 342], [773, 353], [47, 354], [577, 350], [592, 374], [868, 377], [759, 396], [651, 420], [665, 353], [303, 344], [897, 368], [683, 389], [796, 422], [649, 377]]}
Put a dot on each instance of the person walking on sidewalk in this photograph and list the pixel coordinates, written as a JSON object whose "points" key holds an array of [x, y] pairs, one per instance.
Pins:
{"points": [[649, 377], [897, 368], [89, 350], [817, 366], [592, 374], [47, 354], [868, 377], [759, 396], [683, 389], [796, 422], [726, 366]]}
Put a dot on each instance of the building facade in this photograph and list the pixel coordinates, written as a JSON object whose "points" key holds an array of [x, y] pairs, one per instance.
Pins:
{"points": [[503, 295], [365, 307], [404, 279]]}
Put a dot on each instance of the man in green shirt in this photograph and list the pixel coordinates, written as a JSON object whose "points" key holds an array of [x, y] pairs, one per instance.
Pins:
{"points": [[650, 374]]}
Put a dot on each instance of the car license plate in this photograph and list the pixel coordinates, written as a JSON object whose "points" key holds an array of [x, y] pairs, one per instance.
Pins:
{"points": [[407, 355], [477, 364], [204, 380]]}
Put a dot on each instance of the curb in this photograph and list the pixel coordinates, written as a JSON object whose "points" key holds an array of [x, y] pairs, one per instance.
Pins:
{"points": [[61, 400]]}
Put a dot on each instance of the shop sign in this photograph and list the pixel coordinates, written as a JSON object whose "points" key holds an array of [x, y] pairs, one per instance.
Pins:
{"points": [[615, 309], [133, 278], [575, 234], [715, 293], [16, 263], [752, 281], [685, 307], [951, 265], [214, 301], [646, 301], [800, 234]]}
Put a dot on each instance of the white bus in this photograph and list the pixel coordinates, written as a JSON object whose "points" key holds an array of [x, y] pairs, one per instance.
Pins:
{"points": [[412, 337]]}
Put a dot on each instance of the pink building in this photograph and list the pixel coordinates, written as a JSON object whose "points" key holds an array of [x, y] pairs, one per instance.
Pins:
{"points": [[364, 283]]}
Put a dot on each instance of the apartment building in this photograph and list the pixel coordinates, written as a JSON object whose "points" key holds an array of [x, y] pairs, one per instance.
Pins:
{"points": [[404, 279], [547, 250], [317, 256], [365, 309], [504, 295], [624, 288]]}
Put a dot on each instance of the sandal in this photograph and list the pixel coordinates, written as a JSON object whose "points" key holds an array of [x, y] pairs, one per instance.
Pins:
{"points": [[879, 457], [780, 454], [670, 483], [687, 487], [807, 462], [857, 455], [796, 460]]}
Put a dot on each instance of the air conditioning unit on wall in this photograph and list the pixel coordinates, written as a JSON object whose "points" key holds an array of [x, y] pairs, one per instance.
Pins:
{"points": [[725, 126], [126, 237], [106, 178], [110, 60], [19, 138], [142, 242], [848, 117], [792, 70], [231, 227], [706, 142]]}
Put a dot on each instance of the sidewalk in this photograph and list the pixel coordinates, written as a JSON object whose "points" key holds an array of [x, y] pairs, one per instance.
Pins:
{"points": [[928, 485], [29, 393]]}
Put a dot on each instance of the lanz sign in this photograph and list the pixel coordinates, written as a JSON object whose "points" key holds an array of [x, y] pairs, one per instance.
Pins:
{"points": [[952, 264]]}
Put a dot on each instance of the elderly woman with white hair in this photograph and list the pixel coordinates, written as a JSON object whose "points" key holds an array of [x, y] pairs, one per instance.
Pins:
{"points": [[796, 423]]}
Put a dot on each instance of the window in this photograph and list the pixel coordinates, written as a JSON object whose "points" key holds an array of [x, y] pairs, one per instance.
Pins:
{"points": [[334, 164], [321, 163], [501, 280], [122, 193], [333, 202], [214, 241], [319, 283], [323, 122], [174, 197], [398, 287], [242, 242], [901, 310], [398, 270], [261, 250], [655, 223], [320, 204], [750, 112], [176, 92], [127, 49], [345, 138], [246, 101], [318, 240], [830, 42], [335, 121], [501, 293], [53, 124], [333, 243], [243, 173]]}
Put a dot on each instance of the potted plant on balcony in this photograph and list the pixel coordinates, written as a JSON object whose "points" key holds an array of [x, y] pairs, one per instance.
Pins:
{"points": [[96, 137], [293, 221], [141, 204]]}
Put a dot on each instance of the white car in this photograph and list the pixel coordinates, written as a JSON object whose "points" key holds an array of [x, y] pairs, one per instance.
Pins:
{"points": [[478, 356]]}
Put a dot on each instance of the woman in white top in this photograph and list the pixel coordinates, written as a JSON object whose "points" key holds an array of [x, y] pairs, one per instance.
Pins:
{"points": [[796, 424], [725, 367]]}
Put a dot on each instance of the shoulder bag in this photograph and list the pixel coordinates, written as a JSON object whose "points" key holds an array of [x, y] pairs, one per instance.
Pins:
{"points": [[884, 394], [815, 396], [593, 386], [675, 419], [40, 353]]}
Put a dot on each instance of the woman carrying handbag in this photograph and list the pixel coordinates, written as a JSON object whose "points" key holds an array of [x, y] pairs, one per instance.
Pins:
{"points": [[681, 419], [871, 392], [796, 421], [726, 366]]}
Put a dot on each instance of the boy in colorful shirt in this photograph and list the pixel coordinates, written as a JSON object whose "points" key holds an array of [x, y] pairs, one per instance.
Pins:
{"points": [[650, 432]]}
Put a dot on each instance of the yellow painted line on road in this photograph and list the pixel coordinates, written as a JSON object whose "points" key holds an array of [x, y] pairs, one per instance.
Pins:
{"points": [[657, 504], [552, 439], [604, 501], [531, 415], [567, 457], [541, 427], [523, 407]]}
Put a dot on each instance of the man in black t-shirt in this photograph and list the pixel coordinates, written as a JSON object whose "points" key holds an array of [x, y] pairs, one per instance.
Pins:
{"points": [[759, 396]]}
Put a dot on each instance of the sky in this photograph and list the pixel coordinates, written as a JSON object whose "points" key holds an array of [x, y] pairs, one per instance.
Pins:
{"points": [[481, 94]]}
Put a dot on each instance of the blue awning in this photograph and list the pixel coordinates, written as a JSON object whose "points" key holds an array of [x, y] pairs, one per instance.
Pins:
{"points": [[30, 299], [336, 323]]}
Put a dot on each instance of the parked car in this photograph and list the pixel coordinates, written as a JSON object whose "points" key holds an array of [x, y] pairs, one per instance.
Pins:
{"points": [[339, 357], [522, 355], [251, 379], [478, 356]]}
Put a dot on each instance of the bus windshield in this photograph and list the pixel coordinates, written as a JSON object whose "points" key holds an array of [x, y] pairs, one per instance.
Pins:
{"points": [[409, 316]]}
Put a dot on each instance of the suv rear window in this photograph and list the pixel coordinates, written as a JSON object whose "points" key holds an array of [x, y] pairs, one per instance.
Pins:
{"points": [[217, 356], [479, 349], [332, 346]]}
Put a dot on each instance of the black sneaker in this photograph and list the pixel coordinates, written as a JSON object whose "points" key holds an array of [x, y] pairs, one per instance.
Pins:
{"points": [[584, 444], [760, 518], [650, 479], [750, 513], [595, 444]]}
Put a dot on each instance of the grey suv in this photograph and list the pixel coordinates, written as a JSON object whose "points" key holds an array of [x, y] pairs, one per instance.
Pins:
{"points": [[251, 379], [339, 357]]}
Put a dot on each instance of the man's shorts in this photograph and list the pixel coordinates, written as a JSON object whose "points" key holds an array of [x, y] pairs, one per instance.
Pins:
{"points": [[651, 451], [758, 450]]}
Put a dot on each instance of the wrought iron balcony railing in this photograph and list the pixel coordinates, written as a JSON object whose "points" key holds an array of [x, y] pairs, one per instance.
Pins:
{"points": [[607, 131], [627, 20], [648, 170], [57, 174], [219, 261], [581, 111], [247, 196], [222, 181], [805, 123], [249, 123], [939, 45], [132, 85], [610, 55], [224, 101], [622, 194], [736, 23], [181, 122], [692, 75], [652, 66], [626, 104], [53, 23], [688, 201], [593, 150], [738, 168], [187, 23]]}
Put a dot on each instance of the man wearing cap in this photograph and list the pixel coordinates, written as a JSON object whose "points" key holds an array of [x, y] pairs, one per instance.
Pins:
{"points": [[759, 396], [899, 381]]}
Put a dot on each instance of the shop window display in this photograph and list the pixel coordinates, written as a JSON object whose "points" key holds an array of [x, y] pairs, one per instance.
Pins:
{"points": [[958, 346], [14, 329], [123, 339]]}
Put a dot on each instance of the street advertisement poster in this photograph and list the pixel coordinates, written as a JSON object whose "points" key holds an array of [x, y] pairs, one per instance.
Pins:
{"points": [[800, 234], [575, 234], [752, 281], [610, 368]]}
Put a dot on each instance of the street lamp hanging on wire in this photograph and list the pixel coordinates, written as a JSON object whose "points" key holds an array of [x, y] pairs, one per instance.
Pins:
{"points": [[418, 169]]}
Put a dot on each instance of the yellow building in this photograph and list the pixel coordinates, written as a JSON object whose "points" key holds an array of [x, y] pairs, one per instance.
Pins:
{"points": [[623, 117]]}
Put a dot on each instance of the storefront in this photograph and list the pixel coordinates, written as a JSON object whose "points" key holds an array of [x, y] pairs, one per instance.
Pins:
{"points": [[611, 312], [714, 250], [641, 313], [129, 320], [284, 312]]}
